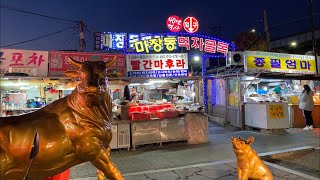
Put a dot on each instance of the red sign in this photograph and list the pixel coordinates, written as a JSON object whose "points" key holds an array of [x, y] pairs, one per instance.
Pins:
{"points": [[58, 61], [174, 23], [191, 24]]}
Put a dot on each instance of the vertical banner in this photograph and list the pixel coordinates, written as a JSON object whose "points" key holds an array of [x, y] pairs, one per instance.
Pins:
{"points": [[31, 62], [220, 91]]}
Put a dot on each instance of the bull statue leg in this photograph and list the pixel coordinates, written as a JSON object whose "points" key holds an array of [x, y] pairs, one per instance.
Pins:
{"points": [[104, 164]]}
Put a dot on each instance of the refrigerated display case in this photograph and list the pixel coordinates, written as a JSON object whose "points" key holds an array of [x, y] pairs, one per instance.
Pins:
{"points": [[172, 130], [145, 132]]}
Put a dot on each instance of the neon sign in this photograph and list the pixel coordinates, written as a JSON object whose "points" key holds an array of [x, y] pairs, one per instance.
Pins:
{"points": [[162, 43], [174, 23], [191, 24], [171, 43]]}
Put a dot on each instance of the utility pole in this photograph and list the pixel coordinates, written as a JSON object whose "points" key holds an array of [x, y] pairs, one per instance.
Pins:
{"points": [[266, 30], [314, 43], [81, 36]]}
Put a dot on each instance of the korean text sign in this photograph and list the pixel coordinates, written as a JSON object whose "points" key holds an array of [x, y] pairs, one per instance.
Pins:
{"points": [[59, 61], [279, 62], [31, 62], [276, 111], [160, 43], [157, 65]]}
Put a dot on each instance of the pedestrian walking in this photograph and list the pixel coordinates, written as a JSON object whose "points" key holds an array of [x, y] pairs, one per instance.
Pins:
{"points": [[306, 104]]}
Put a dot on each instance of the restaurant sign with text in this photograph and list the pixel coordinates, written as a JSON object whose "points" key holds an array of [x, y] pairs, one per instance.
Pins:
{"points": [[31, 62], [157, 65], [161, 43], [59, 61], [256, 61]]}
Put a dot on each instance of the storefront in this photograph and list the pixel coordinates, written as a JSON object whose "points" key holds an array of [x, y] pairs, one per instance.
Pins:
{"points": [[169, 95], [265, 94], [165, 97]]}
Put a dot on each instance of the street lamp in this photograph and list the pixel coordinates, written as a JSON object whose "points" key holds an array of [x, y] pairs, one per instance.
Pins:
{"points": [[293, 44], [253, 30], [196, 58]]}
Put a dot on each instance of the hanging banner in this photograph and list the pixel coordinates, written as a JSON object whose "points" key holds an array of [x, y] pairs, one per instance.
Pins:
{"points": [[59, 61], [31, 62], [157, 65], [256, 61]]}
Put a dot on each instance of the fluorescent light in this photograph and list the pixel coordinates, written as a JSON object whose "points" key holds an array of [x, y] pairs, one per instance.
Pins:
{"points": [[158, 81], [15, 84], [149, 83], [135, 84]]}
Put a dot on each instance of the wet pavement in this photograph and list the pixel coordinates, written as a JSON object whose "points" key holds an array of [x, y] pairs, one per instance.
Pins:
{"points": [[182, 161]]}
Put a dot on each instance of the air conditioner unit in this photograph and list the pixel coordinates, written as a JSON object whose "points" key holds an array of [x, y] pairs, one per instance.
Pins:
{"points": [[234, 57]]}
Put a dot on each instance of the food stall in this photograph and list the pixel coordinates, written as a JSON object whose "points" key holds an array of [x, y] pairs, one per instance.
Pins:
{"points": [[158, 109], [271, 96], [264, 93]]}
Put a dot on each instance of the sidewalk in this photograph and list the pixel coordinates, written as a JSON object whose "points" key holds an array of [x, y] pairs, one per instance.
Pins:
{"points": [[207, 161]]}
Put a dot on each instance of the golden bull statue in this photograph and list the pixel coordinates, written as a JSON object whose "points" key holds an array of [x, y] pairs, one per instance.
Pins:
{"points": [[72, 130], [249, 164]]}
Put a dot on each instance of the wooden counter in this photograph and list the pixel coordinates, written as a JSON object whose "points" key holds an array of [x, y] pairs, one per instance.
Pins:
{"points": [[298, 120]]}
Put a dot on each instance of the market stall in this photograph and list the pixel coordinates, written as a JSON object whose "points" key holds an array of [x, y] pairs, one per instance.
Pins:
{"points": [[263, 93], [157, 109], [271, 97]]}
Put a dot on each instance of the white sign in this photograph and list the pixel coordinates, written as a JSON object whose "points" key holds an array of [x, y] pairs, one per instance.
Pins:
{"points": [[31, 62], [157, 65]]}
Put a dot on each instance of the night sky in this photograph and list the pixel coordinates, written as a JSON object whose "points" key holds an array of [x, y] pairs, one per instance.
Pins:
{"points": [[143, 16]]}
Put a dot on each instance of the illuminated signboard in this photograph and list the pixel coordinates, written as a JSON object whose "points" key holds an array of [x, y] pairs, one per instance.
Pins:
{"points": [[191, 24], [162, 43], [157, 65], [278, 62], [174, 23]]}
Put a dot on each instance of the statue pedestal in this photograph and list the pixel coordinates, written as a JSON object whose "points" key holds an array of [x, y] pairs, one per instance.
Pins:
{"points": [[62, 176]]}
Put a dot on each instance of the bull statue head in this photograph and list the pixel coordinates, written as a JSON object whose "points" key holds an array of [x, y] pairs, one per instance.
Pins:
{"points": [[92, 79]]}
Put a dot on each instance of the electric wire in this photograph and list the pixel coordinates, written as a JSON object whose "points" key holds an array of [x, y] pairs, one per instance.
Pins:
{"points": [[38, 14], [34, 39], [67, 44]]}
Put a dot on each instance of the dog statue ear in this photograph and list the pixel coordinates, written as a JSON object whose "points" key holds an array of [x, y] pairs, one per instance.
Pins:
{"points": [[250, 140]]}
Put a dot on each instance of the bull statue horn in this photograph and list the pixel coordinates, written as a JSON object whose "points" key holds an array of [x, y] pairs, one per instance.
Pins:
{"points": [[74, 63], [109, 63]]}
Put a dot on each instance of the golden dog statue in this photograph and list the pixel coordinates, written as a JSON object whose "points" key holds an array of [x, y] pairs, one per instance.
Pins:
{"points": [[72, 130], [249, 164]]}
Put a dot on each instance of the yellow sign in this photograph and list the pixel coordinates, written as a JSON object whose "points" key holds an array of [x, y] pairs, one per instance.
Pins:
{"points": [[143, 46], [276, 111], [279, 62]]}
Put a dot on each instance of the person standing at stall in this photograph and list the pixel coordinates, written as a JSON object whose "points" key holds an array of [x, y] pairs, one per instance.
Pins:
{"points": [[306, 104]]}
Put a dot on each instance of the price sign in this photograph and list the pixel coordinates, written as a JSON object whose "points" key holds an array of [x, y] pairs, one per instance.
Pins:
{"points": [[276, 111]]}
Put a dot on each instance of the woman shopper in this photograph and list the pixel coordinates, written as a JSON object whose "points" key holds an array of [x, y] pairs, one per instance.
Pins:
{"points": [[306, 104]]}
